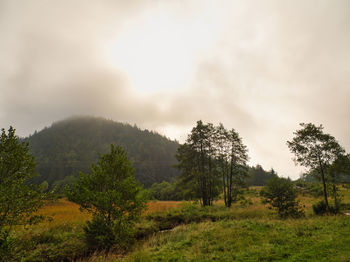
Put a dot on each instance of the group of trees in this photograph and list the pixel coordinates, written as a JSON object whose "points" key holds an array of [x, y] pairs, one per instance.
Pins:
{"points": [[213, 160]]}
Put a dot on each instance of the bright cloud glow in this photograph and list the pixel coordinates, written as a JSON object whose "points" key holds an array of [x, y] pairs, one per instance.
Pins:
{"points": [[160, 51]]}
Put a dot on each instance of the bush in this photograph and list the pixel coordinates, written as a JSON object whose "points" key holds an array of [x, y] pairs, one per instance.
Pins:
{"points": [[320, 208], [280, 194]]}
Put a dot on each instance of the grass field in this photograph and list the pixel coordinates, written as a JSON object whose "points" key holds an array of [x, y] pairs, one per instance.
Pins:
{"points": [[248, 231]]}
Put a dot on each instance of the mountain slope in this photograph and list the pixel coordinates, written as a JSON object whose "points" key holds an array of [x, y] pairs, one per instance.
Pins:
{"points": [[71, 145]]}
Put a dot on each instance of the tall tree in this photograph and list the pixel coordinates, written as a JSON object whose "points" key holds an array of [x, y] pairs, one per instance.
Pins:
{"points": [[197, 162], [210, 156], [315, 149], [238, 158], [222, 148], [19, 200]]}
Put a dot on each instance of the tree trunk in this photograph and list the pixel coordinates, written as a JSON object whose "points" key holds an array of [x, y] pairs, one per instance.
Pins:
{"points": [[224, 183], [229, 187], [324, 184], [335, 196]]}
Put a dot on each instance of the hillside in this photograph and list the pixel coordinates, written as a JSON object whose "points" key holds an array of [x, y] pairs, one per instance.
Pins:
{"points": [[71, 145]]}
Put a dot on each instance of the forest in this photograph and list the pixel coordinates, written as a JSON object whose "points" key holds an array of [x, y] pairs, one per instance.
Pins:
{"points": [[67, 147]]}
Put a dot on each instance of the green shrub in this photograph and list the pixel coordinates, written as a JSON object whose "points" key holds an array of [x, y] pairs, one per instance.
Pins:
{"points": [[280, 194], [320, 208]]}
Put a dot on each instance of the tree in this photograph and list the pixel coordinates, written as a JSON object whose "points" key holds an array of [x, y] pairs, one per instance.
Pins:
{"points": [[238, 165], [197, 162], [316, 150], [280, 194], [112, 195], [232, 157], [19, 199], [212, 156]]}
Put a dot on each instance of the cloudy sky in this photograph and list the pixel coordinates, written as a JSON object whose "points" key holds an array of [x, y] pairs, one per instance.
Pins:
{"points": [[261, 67]]}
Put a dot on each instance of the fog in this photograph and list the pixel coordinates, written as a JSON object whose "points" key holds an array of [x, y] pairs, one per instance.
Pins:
{"points": [[261, 67]]}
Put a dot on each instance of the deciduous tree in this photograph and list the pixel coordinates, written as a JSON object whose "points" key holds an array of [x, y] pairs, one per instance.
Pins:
{"points": [[315, 150]]}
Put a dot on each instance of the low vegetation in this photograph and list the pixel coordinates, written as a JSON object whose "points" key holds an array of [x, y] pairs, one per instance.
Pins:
{"points": [[185, 231]]}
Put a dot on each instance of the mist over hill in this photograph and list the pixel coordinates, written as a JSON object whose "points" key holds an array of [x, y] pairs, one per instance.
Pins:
{"points": [[72, 145]]}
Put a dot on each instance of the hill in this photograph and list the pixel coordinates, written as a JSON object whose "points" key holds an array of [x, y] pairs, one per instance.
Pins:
{"points": [[72, 145]]}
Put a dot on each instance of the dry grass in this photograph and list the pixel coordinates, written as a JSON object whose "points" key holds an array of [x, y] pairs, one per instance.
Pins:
{"points": [[63, 211], [157, 206]]}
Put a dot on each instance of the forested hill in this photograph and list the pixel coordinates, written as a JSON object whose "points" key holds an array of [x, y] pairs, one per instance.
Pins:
{"points": [[72, 145]]}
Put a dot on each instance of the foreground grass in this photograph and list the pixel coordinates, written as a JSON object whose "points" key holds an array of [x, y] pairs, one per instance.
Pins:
{"points": [[311, 239]]}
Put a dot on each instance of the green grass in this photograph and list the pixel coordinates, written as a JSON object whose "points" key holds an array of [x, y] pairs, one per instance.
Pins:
{"points": [[310, 239]]}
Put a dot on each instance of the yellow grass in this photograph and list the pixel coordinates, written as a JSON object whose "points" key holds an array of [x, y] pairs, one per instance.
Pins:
{"points": [[63, 211], [156, 206]]}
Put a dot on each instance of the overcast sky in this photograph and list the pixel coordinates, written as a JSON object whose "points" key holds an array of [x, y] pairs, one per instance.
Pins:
{"points": [[261, 67]]}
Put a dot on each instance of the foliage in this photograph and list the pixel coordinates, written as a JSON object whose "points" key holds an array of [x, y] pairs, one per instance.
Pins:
{"points": [[18, 198], [167, 191], [196, 162], [231, 156], [112, 195], [320, 208], [257, 176], [280, 194], [213, 157], [315, 150], [72, 145]]}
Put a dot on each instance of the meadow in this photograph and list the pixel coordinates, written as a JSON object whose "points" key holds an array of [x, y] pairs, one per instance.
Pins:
{"points": [[184, 231]]}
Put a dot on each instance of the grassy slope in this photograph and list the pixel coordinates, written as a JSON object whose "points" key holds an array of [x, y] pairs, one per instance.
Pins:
{"points": [[311, 239], [254, 234]]}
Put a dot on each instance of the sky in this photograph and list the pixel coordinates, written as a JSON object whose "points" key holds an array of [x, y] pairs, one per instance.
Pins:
{"points": [[260, 67]]}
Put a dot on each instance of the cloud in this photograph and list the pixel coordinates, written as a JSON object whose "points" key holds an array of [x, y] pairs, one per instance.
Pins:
{"points": [[261, 67]]}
